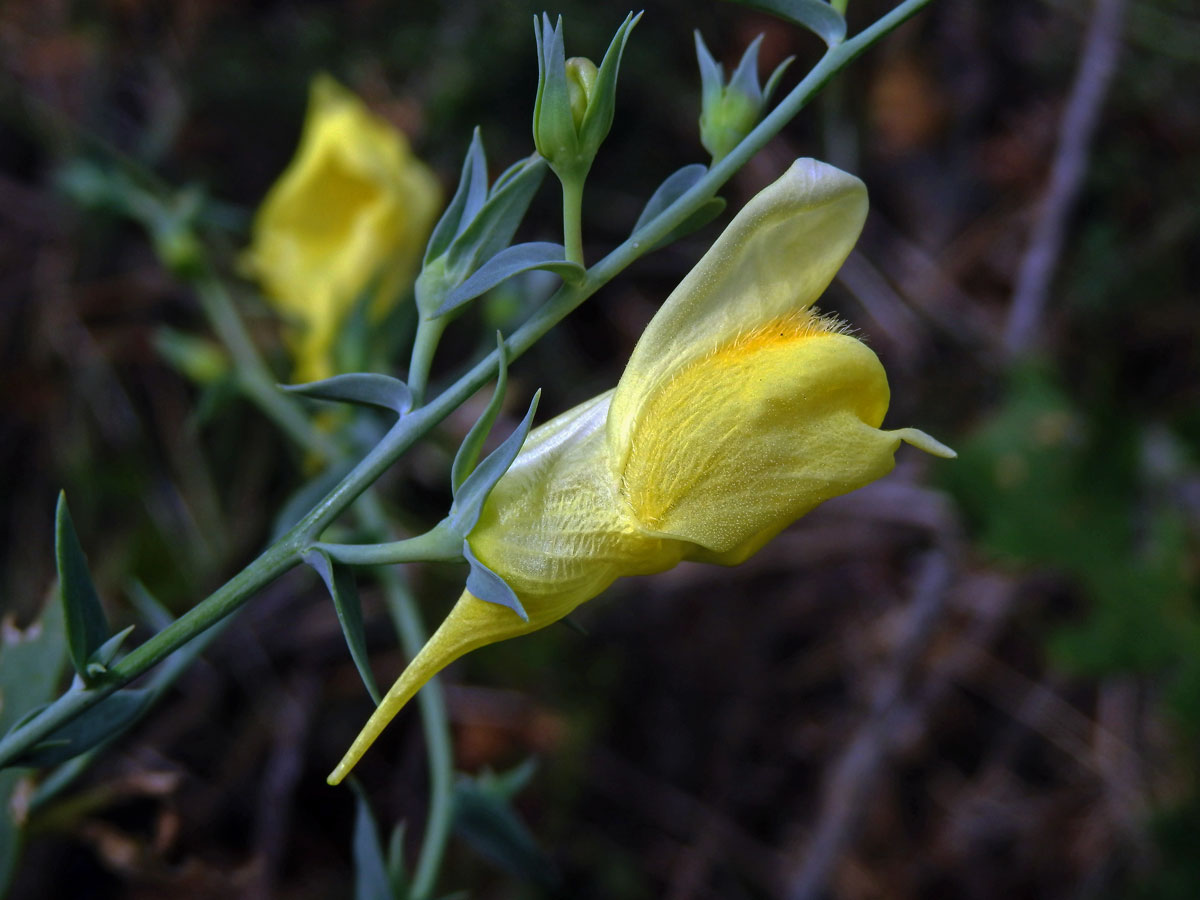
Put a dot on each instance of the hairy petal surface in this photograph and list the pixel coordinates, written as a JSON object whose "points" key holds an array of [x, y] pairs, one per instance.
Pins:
{"points": [[774, 259]]}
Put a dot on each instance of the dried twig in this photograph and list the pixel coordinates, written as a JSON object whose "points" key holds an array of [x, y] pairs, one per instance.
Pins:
{"points": [[1092, 79]]}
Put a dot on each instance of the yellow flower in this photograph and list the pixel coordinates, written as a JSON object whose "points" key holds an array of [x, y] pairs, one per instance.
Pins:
{"points": [[741, 409], [352, 211]]}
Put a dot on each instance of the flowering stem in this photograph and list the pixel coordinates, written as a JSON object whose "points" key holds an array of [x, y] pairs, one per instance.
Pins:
{"points": [[572, 190], [286, 552], [438, 544]]}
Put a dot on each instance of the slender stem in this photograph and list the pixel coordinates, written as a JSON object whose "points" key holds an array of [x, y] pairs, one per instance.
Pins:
{"points": [[572, 191], [429, 334], [285, 552], [432, 707], [255, 379]]}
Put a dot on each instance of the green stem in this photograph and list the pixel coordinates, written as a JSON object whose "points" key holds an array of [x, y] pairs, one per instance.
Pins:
{"points": [[572, 191], [429, 334], [432, 707], [253, 376], [285, 553]]}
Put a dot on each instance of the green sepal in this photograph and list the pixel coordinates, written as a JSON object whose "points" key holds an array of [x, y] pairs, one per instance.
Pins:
{"points": [[509, 262], [554, 132], [101, 723], [816, 15], [466, 202], [469, 450], [601, 105], [484, 818], [362, 388], [486, 585], [339, 580], [371, 879], [99, 662], [87, 628], [475, 488]]}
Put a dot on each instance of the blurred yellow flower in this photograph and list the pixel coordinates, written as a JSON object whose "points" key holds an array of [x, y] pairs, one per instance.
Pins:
{"points": [[741, 409], [352, 211]]}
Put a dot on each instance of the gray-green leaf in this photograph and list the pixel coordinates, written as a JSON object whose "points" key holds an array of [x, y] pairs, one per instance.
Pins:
{"points": [[468, 502], [339, 580], [816, 15], [507, 263], [363, 388]]}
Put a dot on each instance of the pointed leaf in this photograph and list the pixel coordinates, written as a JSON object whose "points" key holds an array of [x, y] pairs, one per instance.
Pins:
{"points": [[816, 15], [493, 227], [103, 722], [673, 187], [363, 388], [510, 262], [599, 116], [371, 881], [469, 500], [340, 582], [485, 584], [554, 131], [472, 186], [506, 785], [100, 660], [87, 628], [468, 452]]}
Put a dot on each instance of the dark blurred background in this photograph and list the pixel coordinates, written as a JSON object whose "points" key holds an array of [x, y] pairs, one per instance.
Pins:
{"points": [[973, 679]]}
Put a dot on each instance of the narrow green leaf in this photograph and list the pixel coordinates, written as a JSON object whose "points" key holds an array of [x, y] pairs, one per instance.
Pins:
{"points": [[340, 582], [468, 452], [459, 212], [673, 187], [363, 388], [107, 652], [494, 225], [87, 628], [485, 584], [745, 77], [469, 500], [509, 262], [103, 722], [371, 881], [816, 15]]}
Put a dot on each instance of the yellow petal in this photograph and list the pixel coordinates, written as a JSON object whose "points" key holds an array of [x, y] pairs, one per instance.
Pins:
{"points": [[555, 528], [775, 258], [746, 440]]}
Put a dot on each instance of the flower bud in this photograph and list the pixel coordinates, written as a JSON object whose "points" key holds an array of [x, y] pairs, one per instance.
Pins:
{"points": [[729, 112], [581, 82]]}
